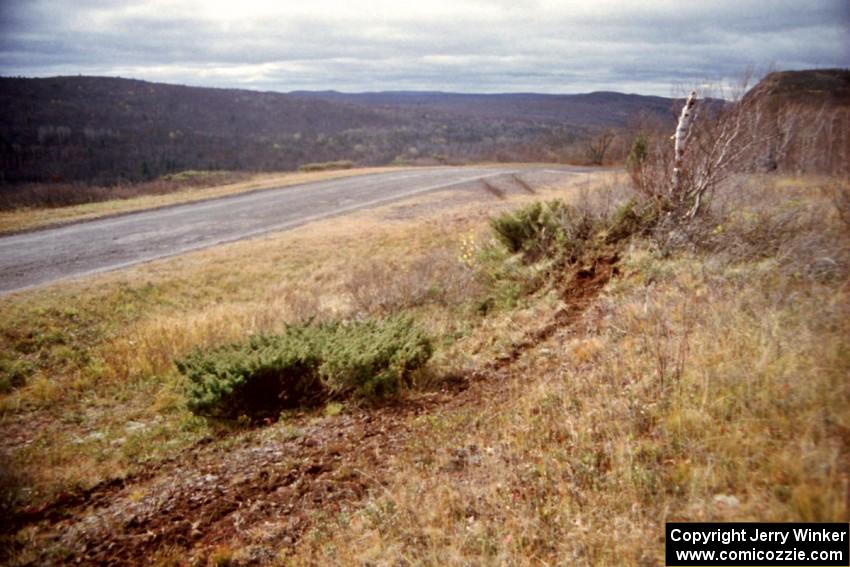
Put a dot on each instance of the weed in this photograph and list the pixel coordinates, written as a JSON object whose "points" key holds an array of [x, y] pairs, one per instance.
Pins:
{"points": [[564, 233], [631, 218], [333, 409], [543, 230]]}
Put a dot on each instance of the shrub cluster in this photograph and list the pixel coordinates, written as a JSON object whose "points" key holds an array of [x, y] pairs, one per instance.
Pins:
{"points": [[305, 365], [14, 374], [557, 230], [544, 229]]}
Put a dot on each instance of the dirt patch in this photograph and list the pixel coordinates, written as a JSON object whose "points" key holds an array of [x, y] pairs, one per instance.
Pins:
{"points": [[214, 492]]}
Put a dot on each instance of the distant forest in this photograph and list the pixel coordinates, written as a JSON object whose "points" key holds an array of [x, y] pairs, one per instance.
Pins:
{"points": [[103, 131], [107, 130]]}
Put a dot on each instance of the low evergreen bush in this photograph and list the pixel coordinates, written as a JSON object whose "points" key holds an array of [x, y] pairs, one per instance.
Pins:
{"points": [[306, 365]]}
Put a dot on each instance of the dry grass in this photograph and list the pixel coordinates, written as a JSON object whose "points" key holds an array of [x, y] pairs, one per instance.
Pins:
{"points": [[700, 387], [55, 195], [382, 287], [649, 418], [100, 393], [30, 218]]}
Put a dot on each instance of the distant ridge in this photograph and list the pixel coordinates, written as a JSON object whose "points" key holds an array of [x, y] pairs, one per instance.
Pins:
{"points": [[102, 129], [597, 109]]}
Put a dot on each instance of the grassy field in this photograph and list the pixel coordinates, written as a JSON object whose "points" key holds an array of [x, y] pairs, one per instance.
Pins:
{"points": [[706, 382], [16, 220]]}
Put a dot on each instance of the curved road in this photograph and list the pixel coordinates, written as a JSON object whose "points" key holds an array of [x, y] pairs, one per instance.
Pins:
{"points": [[44, 256]]}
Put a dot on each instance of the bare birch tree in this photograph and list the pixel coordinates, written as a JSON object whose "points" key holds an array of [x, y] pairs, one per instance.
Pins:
{"points": [[713, 139]]}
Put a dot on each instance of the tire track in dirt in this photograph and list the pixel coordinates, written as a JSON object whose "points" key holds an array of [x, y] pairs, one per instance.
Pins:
{"points": [[208, 494], [586, 284], [274, 479]]}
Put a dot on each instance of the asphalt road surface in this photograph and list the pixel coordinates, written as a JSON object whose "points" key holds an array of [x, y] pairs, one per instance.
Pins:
{"points": [[40, 257]]}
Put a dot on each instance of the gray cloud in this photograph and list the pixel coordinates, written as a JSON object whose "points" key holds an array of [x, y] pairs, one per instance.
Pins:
{"points": [[494, 46]]}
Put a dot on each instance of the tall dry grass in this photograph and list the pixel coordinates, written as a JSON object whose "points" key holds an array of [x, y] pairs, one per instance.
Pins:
{"points": [[54, 195], [707, 384]]}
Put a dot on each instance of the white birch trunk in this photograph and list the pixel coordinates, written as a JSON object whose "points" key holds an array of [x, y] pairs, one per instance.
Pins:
{"points": [[681, 140]]}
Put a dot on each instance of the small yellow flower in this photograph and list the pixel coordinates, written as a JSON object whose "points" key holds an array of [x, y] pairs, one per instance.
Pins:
{"points": [[468, 250]]}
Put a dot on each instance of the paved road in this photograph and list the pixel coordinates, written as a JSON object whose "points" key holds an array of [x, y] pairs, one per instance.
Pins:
{"points": [[40, 257]]}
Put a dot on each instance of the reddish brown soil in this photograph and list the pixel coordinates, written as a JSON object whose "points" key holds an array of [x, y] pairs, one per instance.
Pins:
{"points": [[260, 489]]}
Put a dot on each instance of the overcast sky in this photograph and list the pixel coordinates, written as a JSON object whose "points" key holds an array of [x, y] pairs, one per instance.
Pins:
{"points": [[555, 46]]}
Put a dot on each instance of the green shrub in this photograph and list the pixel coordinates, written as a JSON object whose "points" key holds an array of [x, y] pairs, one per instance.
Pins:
{"points": [[639, 152], [630, 218], [545, 230], [305, 365], [373, 359]]}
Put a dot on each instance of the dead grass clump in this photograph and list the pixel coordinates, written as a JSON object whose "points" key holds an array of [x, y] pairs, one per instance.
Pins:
{"points": [[150, 349], [439, 277], [602, 200], [791, 223], [841, 199]]}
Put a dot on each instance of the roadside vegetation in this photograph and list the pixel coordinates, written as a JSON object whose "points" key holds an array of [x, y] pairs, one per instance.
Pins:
{"points": [[708, 382], [90, 387], [55, 195], [305, 365]]}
